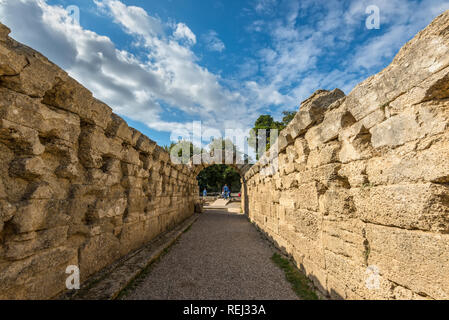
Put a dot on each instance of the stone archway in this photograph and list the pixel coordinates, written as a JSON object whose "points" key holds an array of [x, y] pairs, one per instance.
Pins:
{"points": [[202, 161]]}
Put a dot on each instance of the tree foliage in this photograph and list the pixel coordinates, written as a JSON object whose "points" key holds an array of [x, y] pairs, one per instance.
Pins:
{"points": [[213, 178], [183, 145], [267, 123]]}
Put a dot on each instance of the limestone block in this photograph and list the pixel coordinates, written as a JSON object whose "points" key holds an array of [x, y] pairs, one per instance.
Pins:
{"points": [[17, 250], [3, 194], [413, 259], [302, 150], [337, 202], [23, 110], [354, 278], [27, 168], [334, 121], [11, 63], [315, 273], [118, 127], [25, 81], [68, 94], [373, 119], [433, 88], [4, 32], [345, 237], [355, 173], [137, 204], [7, 211], [16, 279], [108, 208], [356, 145], [307, 223], [98, 252], [132, 236], [429, 164], [39, 191], [284, 140], [417, 61], [95, 147], [324, 155], [307, 195], [30, 216], [395, 131], [325, 174], [410, 206], [19, 138], [131, 155], [312, 110]]}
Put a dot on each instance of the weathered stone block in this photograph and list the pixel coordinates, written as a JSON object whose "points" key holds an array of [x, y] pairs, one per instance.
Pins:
{"points": [[97, 253], [324, 155], [429, 164], [312, 110], [27, 168], [26, 82], [334, 121], [413, 259], [410, 206], [17, 250], [15, 278], [395, 131], [20, 139], [30, 216]]}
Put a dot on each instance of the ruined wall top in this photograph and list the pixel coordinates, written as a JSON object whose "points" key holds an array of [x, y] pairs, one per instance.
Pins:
{"points": [[417, 74], [26, 71]]}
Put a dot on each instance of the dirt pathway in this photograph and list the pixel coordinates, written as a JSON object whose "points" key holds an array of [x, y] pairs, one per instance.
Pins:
{"points": [[222, 256]]}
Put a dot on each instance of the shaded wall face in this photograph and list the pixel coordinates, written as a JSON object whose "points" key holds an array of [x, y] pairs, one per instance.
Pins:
{"points": [[77, 185], [361, 197]]}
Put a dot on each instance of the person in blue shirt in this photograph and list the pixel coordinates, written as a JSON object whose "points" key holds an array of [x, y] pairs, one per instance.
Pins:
{"points": [[204, 192], [226, 191]]}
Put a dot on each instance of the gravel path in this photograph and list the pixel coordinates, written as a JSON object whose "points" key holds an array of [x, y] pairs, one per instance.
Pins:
{"points": [[222, 256]]}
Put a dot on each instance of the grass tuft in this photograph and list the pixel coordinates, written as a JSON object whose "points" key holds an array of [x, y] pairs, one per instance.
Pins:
{"points": [[300, 283]]}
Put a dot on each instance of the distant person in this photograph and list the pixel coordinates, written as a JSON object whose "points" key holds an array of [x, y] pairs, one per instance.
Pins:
{"points": [[226, 191], [204, 192], [240, 194]]}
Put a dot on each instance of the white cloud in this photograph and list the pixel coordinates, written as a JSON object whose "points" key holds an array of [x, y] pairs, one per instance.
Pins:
{"points": [[213, 43], [183, 32], [133, 87], [162, 76], [134, 19], [297, 60], [265, 6]]}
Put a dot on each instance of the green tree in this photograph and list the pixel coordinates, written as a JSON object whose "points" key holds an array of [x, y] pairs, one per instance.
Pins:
{"points": [[183, 145], [220, 144], [267, 123], [214, 177], [288, 116], [264, 122]]}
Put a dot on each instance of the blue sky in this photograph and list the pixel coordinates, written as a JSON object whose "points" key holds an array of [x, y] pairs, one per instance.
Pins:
{"points": [[162, 64]]}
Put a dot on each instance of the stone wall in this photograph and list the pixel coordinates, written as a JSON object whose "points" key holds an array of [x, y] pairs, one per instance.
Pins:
{"points": [[77, 185], [363, 180]]}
